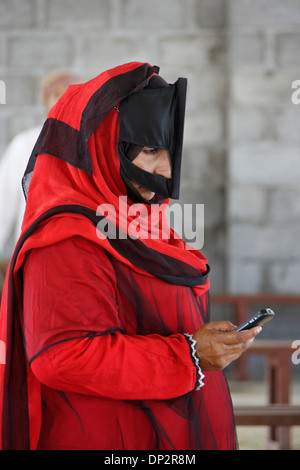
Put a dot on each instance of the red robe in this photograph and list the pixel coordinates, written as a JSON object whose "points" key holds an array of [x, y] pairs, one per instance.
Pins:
{"points": [[115, 368], [93, 327]]}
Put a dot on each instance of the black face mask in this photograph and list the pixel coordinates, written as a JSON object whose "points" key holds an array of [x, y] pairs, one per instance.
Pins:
{"points": [[153, 117]]}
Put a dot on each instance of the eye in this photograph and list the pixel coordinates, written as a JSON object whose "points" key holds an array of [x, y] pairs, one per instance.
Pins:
{"points": [[150, 151]]}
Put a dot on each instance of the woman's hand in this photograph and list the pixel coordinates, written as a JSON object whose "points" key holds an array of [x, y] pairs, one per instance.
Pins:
{"points": [[217, 345]]}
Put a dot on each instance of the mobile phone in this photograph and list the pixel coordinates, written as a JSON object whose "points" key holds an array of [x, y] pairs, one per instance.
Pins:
{"points": [[262, 317]]}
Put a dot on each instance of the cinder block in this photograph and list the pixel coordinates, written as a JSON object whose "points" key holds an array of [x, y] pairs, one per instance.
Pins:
{"points": [[284, 206], [78, 14], [17, 14], [245, 277], [248, 123], [247, 204], [284, 277], [205, 87], [286, 123], [98, 52], [214, 210], [217, 166], [218, 281], [204, 127], [246, 49], [203, 166], [39, 50], [255, 86], [268, 164], [288, 46], [152, 16], [210, 13], [263, 242], [20, 90], [194, 51], [195, 166], [263, 12]]}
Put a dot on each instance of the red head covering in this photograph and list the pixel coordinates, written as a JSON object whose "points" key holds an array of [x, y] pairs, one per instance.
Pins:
{"points": [[74, 169], [82, 131]]}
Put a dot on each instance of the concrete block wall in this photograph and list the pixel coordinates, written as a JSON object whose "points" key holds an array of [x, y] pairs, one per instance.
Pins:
{"points": [[241, 154], [263, 192]]}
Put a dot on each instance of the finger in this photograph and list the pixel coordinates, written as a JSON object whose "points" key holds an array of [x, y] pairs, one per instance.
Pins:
{"points": [[248, 334], [238, 337], [239, 347], [222, 326]]}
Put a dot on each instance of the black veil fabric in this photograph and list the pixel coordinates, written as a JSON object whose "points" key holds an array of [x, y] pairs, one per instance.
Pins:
{"points": [[154, 117]]}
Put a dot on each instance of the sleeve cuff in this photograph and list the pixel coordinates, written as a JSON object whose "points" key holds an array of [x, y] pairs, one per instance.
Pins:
{"points": [[200, 376]]}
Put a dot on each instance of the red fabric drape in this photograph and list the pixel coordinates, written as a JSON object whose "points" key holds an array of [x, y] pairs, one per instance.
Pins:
{"points": [[57, 182]]}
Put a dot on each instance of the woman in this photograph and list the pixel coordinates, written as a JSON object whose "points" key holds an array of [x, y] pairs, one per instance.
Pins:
{"points": [[106, 333]]}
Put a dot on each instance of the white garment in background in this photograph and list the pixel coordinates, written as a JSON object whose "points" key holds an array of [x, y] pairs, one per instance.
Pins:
{"points": [[12, 202]]}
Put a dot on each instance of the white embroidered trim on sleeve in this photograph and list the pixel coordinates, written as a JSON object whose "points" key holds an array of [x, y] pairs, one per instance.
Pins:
{"points": [[200, 375]]}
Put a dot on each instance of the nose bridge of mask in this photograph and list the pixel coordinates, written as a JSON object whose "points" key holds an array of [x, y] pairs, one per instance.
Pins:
{"points": [[147, 118]]}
